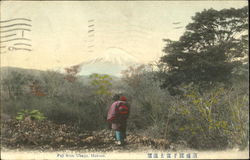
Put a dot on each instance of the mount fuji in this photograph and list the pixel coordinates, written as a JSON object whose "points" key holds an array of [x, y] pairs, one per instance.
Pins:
{"points": [[111, 62]]}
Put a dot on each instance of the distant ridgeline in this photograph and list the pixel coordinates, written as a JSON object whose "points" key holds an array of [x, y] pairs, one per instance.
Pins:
{"points": [[112, 62]]}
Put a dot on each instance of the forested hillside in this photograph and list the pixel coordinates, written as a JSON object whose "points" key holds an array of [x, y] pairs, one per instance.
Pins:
{"points": [[197, 95]]}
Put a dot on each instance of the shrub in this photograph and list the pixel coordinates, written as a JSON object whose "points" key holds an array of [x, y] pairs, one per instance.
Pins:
{"points": [[210, 120], [32, 114]]}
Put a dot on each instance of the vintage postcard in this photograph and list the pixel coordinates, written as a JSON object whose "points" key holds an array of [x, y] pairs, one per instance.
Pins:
{"points": [[124, 79]]}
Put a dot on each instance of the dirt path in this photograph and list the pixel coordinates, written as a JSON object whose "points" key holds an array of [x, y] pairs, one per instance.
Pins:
{"points": [[46, 140], [50, 136]]}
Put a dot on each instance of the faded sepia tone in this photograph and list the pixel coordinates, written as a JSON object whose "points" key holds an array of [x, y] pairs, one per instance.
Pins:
{"points": [[62, 62], [60, 29]]}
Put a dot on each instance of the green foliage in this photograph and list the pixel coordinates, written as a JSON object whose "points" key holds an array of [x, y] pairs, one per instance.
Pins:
{"points": [[210, 120], [102, 84], [206, 53], [65, 102], [206, 71], [14, 83], [205, 119], [32, 114], [150, 104]]}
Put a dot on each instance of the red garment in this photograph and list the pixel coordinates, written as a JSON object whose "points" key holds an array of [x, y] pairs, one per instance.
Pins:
{"points": [[112, 115], [112, 111], [123, 98]]}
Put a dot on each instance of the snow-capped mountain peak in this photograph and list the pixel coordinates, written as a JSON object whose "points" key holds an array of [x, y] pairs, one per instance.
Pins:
{"points": [[115, 56], [111, 62]]}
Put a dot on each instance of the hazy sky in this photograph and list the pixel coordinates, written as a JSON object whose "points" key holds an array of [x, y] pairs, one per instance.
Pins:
{"points": [[67, 33]]}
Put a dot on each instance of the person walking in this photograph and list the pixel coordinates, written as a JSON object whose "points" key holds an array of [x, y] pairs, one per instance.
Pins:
{"points": [[117, 115], [115, 98]]}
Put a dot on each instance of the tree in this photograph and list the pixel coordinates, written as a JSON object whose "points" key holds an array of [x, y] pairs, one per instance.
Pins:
{"points": [[102, 93], [208, 51], [101, 83], [71, 73], [14, 83]]}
